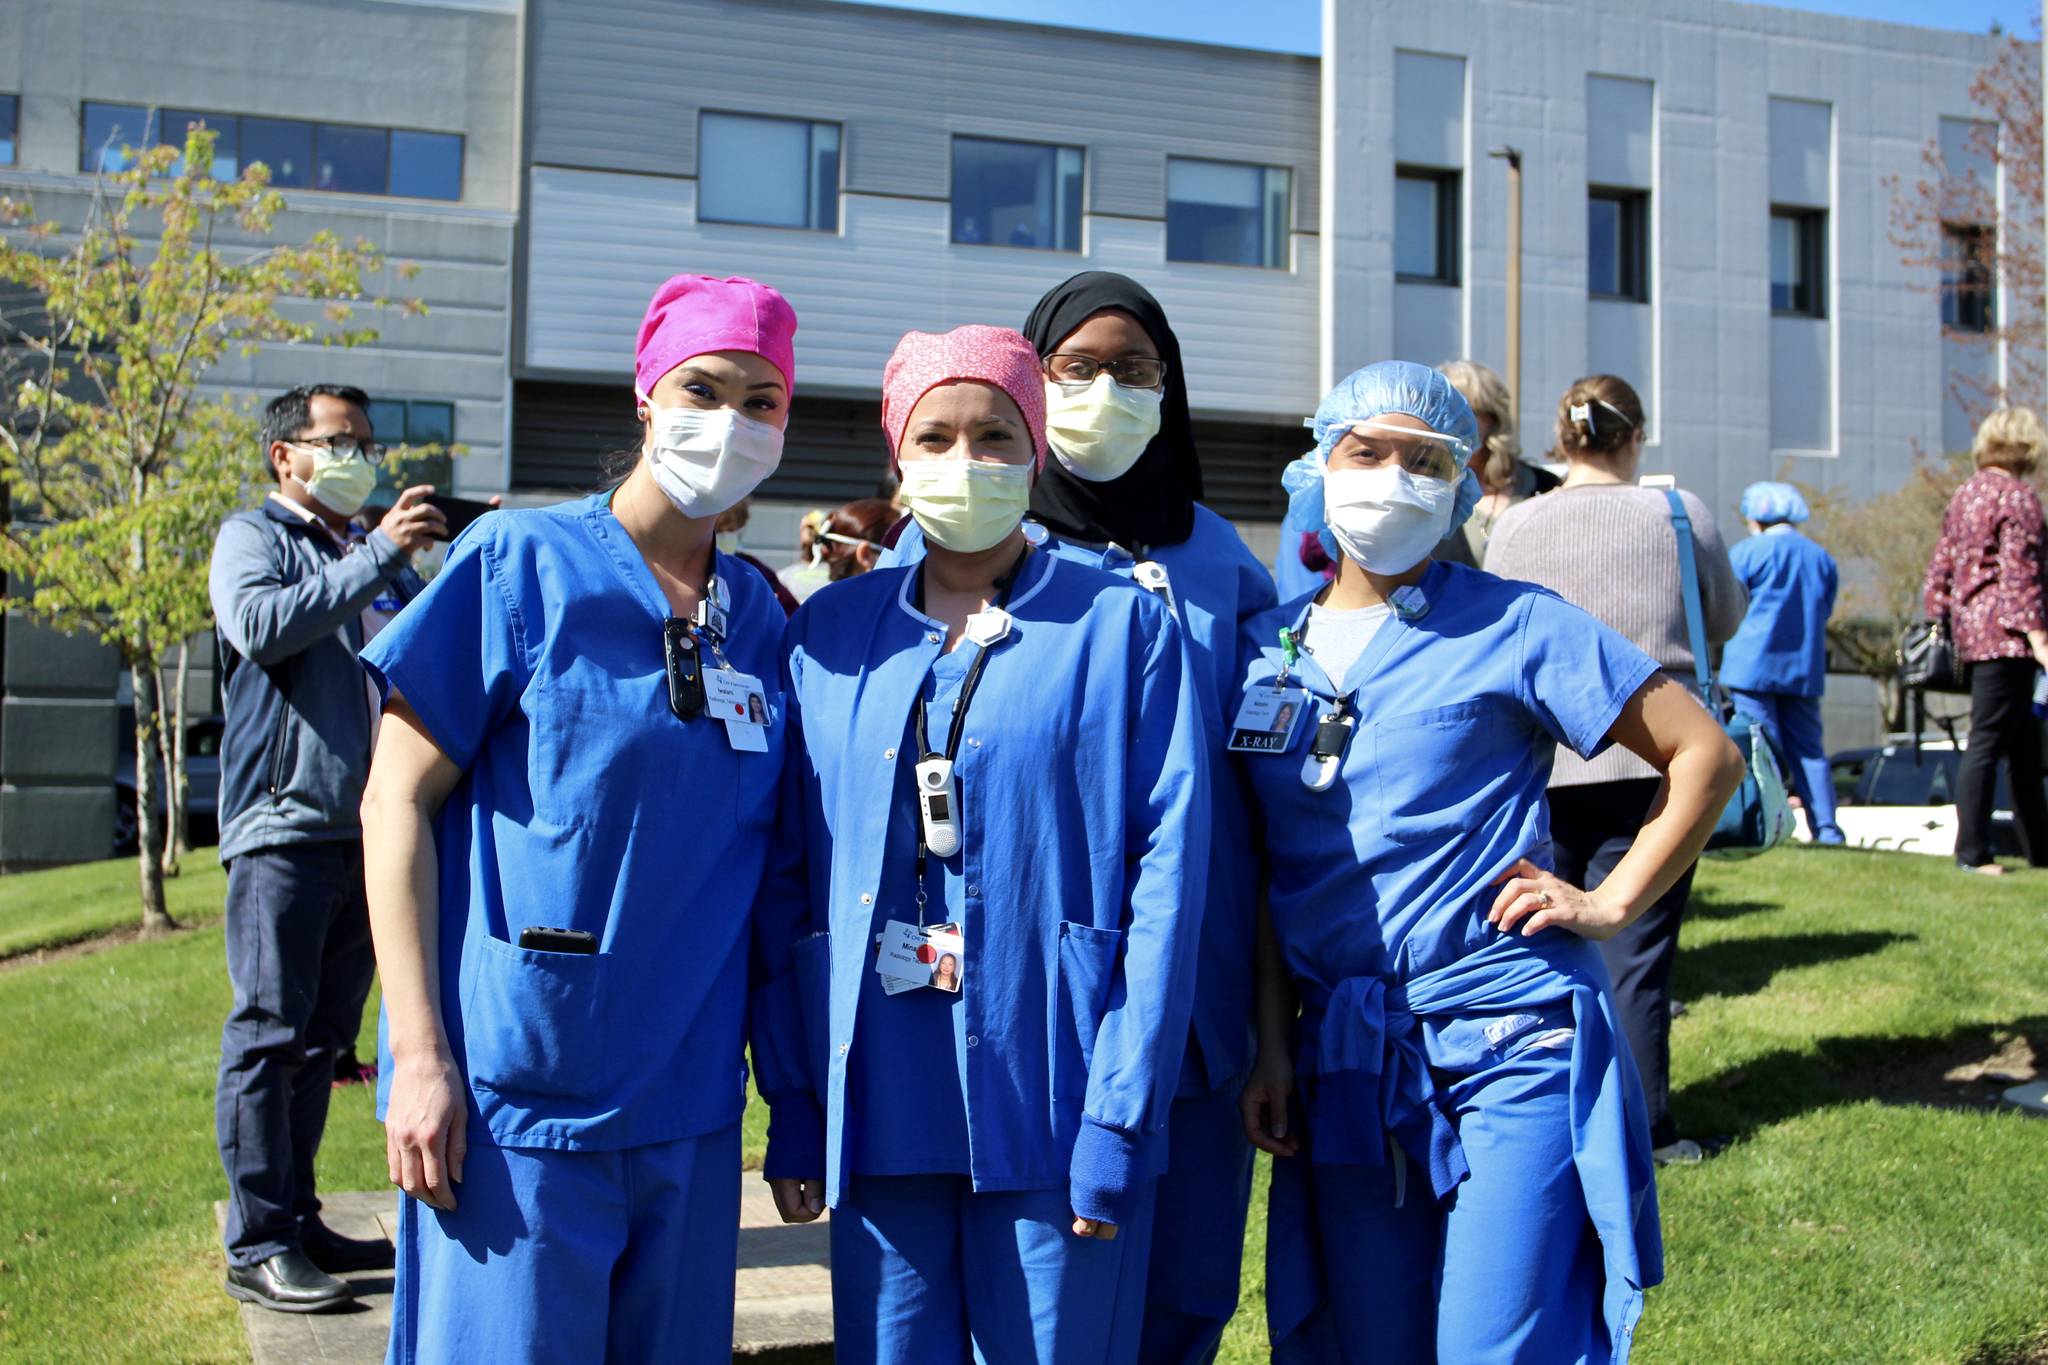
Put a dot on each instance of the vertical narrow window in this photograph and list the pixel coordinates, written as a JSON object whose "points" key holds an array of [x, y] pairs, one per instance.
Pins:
{"points": [[768, 172], [1426, 225], [1225, 213], [426, 165], [10, 116], [1017, 194], [1798, 262], [1968, 284], [1618, 244]]}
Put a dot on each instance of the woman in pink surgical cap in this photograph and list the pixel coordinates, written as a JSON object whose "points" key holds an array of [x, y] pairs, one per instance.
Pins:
{"points": [[997, 755], [566, 822]]}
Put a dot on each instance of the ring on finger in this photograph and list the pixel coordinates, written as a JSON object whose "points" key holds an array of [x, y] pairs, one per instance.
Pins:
{"points": [[1543, 899]]}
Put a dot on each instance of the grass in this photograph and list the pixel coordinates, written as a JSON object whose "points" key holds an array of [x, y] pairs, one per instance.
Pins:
{"points": [[66, 904], [1869, 1209]]}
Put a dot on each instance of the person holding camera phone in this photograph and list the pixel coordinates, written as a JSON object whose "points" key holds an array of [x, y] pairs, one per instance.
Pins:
{"points": [[997, 755], [565, 827]]}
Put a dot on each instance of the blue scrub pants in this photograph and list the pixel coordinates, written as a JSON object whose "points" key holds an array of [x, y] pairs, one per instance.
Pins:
{"points": [[1197, 1230], [574, 1256], [1508, 1269], [925, 1271], [1792, 725]]}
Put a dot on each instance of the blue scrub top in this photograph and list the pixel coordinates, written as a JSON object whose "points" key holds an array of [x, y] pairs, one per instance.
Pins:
{"points": [[1380, 885], [535, 660], [1218, 585], [1083, 783], [1782, 644]]}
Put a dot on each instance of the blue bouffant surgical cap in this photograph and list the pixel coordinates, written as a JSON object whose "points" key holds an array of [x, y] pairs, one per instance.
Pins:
{"points": [[1391, 386], [1767, 503]]}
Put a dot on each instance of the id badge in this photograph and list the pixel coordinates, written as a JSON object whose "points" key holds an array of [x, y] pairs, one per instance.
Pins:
{"points": [[739, 700], [910, 956], [1268, 720]]}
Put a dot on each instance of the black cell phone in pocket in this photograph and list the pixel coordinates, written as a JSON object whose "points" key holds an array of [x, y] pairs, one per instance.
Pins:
{"points": [[545, 940], [460, 512]]}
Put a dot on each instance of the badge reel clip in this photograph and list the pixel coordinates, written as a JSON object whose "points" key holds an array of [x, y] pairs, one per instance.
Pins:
{"points": [[1326, 754]]}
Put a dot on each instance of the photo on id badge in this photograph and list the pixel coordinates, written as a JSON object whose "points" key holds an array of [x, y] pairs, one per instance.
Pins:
{"points": [[1267, 720], [740, 701]]}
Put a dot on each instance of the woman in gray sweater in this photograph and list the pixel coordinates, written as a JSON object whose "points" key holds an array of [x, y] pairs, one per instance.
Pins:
{"points": [[1604, 544]]}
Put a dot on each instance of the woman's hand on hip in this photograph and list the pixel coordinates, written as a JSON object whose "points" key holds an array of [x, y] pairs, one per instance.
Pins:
{"points": [[798, 1200], [425, 1128], [1532, 900], [1262, 1104]]}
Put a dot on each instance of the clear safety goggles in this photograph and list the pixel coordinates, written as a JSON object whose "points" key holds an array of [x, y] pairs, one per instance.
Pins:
{"points": [[1429, 453]]}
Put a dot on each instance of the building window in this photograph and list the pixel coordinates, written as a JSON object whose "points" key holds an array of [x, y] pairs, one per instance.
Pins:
{"points": [[1226, 214], [10, 114], [1799, 262], [346, 158], [412, 421], [1968, 289], [1618, 244], [1426, 225], [1016, 194], [770, 172]]}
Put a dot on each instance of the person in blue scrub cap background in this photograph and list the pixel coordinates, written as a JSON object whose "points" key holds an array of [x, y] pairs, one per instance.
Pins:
{"points": [[1122, 493], [996, 753], [1777, 663], [1463, 1167], [565, 827]]}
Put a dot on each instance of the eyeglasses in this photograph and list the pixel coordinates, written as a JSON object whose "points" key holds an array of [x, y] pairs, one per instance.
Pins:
{"points": [[345, 447], [1132, 371]]}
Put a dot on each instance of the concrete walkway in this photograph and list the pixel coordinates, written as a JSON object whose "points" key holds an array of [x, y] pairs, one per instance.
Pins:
{"points": [[782, 1309]]}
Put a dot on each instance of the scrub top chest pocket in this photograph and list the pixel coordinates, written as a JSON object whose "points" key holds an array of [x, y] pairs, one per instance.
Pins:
{"points": [[1421, 763]]}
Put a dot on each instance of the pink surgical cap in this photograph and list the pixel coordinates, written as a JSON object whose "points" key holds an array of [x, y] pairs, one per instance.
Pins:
{"points": [[695, 314], [991, 355]]}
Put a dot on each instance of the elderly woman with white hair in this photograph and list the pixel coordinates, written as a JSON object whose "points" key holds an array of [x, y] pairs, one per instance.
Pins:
{"points": [[1776, 664], [1505, 478], [1985, 581]]}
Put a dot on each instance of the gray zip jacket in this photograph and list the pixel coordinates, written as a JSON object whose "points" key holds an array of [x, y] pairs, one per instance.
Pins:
{"points": [[288, 606]]}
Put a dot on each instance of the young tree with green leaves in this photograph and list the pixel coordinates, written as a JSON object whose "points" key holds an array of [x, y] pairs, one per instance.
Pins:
{"points": [[117, 467]]}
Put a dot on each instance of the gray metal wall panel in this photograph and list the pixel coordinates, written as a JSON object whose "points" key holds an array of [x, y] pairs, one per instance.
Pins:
{"points": [[1800, 148], [1127, 180], [1802, 396], [1620, 121], [1621, 341], [1429, 97], [901, 83], [1428, 322]]}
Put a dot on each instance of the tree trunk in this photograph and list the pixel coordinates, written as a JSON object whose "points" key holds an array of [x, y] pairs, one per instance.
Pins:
{"points": [[156, 919], [175, 790]]}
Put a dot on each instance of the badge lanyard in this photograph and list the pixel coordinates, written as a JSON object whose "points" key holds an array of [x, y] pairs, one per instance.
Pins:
{"points": [[938, 825], [1334, 730]]}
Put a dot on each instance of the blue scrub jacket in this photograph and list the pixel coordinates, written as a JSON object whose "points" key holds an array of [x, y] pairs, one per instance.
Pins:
{"points": [[1782, 644], [1083, 784], [1379, 888], [535, 660], [1218, 585]]}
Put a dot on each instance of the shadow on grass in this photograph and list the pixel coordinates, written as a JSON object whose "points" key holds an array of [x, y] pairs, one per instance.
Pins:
{"points": [[1706, 907], [1745, 966], [1891, 1070]]}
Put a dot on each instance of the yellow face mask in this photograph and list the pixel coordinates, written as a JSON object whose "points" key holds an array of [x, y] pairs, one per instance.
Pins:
{"points": [[965, 505]]}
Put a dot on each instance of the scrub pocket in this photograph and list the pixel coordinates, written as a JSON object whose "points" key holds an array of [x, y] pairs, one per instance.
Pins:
{"points": [[1087, 965], [1421, 761], [539, 1025], [814, 997]]}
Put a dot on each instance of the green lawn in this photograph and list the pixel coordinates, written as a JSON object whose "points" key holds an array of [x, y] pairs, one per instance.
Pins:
{"points": [[1830, 994], [66, 904]]}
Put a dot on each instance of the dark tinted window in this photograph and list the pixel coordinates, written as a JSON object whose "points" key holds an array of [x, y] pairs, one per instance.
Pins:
{"points": [[429, 424], [108, 128], [1016, 194], [284, 145], [1799, 262], [174, 124], [387, 419], [426, 165], [1968, 288], [10, 112], [1426, 225], [352, 160], [1617, 244], [1226, 213]]}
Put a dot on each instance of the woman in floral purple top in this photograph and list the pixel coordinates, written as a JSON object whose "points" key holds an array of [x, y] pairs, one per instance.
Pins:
{"points": [[1986, 579]]}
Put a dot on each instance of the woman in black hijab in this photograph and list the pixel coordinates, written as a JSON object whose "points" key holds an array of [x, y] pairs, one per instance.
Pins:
{"points": [[1123, 493]]}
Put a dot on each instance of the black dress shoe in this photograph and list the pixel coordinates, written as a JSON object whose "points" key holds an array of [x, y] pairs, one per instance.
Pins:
{"points": [[339, 1255], [288, 1283]]}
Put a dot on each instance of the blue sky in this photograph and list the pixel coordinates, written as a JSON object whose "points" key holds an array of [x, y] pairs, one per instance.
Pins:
{"points": [[1296, 25]]}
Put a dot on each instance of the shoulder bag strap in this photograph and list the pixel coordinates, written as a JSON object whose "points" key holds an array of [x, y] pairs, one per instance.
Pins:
{"points": [[1695, 616]]}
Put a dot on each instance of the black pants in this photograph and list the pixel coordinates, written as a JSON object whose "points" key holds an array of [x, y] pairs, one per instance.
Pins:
{"points": [[2002, 726], [299, 959], [1592, 827]]}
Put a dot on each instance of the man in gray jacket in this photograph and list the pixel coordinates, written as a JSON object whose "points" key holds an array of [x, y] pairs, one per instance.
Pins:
{"points": [[296, 592]]}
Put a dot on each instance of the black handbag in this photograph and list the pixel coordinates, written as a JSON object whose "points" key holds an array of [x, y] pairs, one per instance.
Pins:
{"points": [[1927, 658]]}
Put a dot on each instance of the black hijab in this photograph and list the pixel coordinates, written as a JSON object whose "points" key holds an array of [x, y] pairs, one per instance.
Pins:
{"points": [[1152, 502]]}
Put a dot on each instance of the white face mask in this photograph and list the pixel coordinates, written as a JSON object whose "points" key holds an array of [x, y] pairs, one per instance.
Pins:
{"points": [[965, 505], [1098, 430], [1387, 519], [707, 459]]}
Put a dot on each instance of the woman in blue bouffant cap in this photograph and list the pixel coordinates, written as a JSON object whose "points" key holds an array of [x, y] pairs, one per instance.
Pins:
{"points": [[1464, 1167]]}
